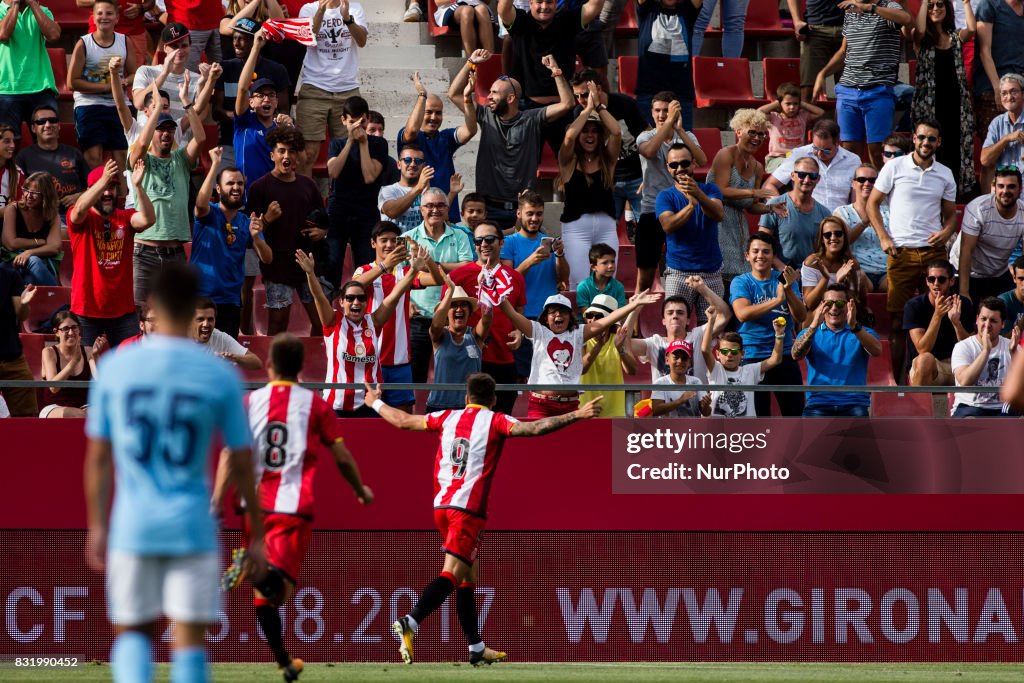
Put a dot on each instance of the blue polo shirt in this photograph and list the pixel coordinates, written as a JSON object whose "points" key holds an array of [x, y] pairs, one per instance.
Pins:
{"points": [[252, 154], [837, 359], [541, 280], [221, 265], [439, 153], [759, 334], [694, 246]]}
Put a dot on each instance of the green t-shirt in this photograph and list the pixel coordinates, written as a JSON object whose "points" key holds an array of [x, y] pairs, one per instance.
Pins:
{"points": [[24, 65], [166, 183]]}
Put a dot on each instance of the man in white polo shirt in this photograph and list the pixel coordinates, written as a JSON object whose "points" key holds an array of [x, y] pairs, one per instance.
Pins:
{"points": [[922, 218], [836, 165]]}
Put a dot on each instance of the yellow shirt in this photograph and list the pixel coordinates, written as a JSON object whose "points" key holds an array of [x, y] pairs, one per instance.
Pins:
{"points": [[606, 369]]}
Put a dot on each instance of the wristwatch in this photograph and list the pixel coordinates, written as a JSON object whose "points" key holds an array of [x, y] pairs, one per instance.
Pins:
{"points": [[856, 328], [349, 21]]}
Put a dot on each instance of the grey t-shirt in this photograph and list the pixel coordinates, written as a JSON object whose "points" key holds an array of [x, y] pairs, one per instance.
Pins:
{"points": [[656, 177], [509, 152], [797, 232], [408, 220]]}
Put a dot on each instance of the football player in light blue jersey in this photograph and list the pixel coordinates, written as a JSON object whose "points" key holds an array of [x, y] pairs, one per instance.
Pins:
{"points": [[153, 413]]}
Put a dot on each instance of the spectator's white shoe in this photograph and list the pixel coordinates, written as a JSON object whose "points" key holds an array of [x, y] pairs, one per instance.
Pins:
{"points": [[414, 13]]}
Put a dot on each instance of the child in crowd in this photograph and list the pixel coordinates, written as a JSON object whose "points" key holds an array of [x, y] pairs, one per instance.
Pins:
{"points": [[474, 212], [724, 367], [601, 280], [677, 401], [604, 362], [788, 120]]}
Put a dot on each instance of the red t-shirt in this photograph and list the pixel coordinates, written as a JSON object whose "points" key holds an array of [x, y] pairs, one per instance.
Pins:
{"points": [[197, 15], [496, 350], [101, 283]]}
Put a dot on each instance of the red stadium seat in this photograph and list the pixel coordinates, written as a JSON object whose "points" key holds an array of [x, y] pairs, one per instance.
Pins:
{"points": [[212, 140], [59, 62], [548, 168], [710, 141], [72, 18], [880, 369], [625, 267], [486, 74], [901, 405], [876, 302], [298, 323], [779, 70], [32, 348], [627, 26], [627, 75], [436, 30], [723, 82], [314, 367], [66, 264], [763, 20], [43, 305], [67, 135], [260, 346]]}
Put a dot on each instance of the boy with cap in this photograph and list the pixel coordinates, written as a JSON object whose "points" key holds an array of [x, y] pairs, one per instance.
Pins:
{"points": [[605, 363], [679, 402], [724, 367]]}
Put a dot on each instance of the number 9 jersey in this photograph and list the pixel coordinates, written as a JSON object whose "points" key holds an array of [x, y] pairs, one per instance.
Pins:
{"points": [[289, 424]]}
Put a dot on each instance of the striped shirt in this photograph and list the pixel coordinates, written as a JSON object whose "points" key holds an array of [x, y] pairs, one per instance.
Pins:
{"points": [[394, 334], [351, 358], [289, 423], [872, 49], [997, 236], [471, 443]]}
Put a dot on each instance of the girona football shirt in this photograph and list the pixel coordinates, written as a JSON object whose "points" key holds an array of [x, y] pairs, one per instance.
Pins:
{"points": [[160, 402]]}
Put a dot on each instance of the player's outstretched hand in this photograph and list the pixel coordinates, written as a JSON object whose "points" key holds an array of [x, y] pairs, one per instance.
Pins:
{"points": [[367, 497], [96, 550], [590, 409], [372, 394]]}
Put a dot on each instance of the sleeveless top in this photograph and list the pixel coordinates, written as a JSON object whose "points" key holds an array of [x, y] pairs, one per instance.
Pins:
{"points": [[453, 363], [96, 68], [72, 398], [733, 231], [21, 231], [582, 197]]}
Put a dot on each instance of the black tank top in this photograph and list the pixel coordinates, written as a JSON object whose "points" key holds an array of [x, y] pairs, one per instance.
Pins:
{"points": [[68, 397], [583, 197]]}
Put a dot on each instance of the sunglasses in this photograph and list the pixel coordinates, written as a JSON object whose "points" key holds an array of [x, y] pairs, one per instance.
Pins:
{"points": [[264, 95], [803, 175], [43, 121], [838, 303], [592, 316], [1009, 167], [435, 207], [892, 155], [866, 179], [69, 328], [411, 161], [757, 133], [685, 163], [350, 298], [936, 5], [730, 352], [940, 279], [488, 239], [832, 233], [929, 138], [581, 95], [822, 150]]}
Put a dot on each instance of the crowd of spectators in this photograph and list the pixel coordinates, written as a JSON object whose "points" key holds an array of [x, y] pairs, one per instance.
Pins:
{"points": [[762, 270]]}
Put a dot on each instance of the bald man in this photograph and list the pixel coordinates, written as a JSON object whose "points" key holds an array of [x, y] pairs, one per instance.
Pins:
{"points": [[424, 129]]}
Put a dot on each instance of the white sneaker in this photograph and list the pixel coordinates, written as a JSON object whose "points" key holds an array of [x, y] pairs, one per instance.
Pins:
{"points": [[414, 13]]}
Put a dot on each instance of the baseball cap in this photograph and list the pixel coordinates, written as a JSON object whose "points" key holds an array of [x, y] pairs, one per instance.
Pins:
{"points": [[166, 119], [97, 173], [558, 300], [174, 32], [262, 83], [247, 26], [602, 304], [680, 345]]}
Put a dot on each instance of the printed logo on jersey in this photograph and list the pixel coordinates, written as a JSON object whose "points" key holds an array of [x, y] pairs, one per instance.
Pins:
{"points": [[560, 353]]}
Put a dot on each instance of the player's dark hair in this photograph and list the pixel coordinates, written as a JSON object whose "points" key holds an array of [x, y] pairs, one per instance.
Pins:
{"points": [[677, 299], [286, 356], [175, 291], [473, 197], [928, 123], [287, 136], [994, 304], [204, 302], [599, 251], [375, 117], [383, 227], [354, 107], [1002, 171], [590, 76], [732, 338], [838, 287], [942, 264], [761, 236], [480, 388], [350, 285], [678, 147]]}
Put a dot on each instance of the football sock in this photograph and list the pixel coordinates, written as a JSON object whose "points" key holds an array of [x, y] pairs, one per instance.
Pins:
{"points": [[132, 658], [465, 607], [433, 596], [188, 665], [413, 624], [270, 621]]}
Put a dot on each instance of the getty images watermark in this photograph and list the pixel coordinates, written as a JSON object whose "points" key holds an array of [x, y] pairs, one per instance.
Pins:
{"points": [[701, 441]]}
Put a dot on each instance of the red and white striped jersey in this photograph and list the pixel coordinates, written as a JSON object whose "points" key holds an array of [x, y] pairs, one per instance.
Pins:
{"points": [[351, 357], [471, 443], [289, 424], [394, 335]]}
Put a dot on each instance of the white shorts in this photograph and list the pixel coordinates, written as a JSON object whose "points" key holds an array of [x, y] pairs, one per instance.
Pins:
{"points": [[184, 588], [252, 263]]}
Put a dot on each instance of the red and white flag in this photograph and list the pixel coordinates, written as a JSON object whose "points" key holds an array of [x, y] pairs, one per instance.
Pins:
{"points": [[300, 30]]}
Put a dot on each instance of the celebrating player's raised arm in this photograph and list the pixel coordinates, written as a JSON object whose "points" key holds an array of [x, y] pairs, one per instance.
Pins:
{"points": [[395, 417], [553, 424]]}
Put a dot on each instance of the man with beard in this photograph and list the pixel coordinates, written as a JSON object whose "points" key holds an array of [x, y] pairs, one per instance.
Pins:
{"points": [[219, 343], [935, 322], [795, 216], [510, 139], [101, 245], [221, 236], [993, 225], [983, 360], [167, 183], [922, 217], [400, 201]]}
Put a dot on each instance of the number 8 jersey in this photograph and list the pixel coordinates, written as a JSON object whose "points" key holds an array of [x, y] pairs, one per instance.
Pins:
{"points": [[289, 423], [471, 443]]}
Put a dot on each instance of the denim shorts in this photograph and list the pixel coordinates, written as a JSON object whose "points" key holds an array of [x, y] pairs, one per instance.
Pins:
{"points": [[97, 124], [865, 114]]}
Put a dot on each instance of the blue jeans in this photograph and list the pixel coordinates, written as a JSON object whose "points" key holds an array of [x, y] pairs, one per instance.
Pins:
{"points": [[835, 411], [734, 17], [37, 272], [627, 191]]}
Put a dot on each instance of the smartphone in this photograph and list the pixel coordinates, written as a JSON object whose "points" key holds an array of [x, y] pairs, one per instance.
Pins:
{"points": [[546, 242]]}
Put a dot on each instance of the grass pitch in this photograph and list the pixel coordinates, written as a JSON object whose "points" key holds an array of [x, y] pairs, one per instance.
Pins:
{"points": [[691, 671]]}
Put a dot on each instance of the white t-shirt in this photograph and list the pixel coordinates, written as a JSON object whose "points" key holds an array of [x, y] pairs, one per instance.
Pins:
{"points": [[992, 375], [221, 342], [734, 403], [333, 64], [915, 199], [146, 74], [557, 359], [4, 412], [655, 355], [689, 409], [810, 276]]}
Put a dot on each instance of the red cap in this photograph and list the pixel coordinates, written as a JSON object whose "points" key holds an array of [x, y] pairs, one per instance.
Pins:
{"points": [[680, 345], [96, 174]]}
